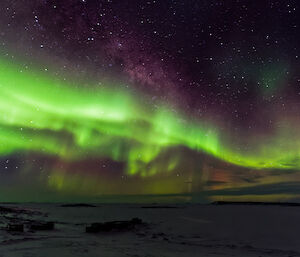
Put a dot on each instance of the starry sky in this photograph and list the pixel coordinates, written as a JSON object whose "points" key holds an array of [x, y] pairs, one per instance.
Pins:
{"points": [[136, 100]]}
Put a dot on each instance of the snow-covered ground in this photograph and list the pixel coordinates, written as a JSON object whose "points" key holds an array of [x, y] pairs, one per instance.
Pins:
{"points": [[187, 230]]}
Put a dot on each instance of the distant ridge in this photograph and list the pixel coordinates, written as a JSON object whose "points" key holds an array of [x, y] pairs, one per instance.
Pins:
{"points": [[254, 203], [78, 205]]}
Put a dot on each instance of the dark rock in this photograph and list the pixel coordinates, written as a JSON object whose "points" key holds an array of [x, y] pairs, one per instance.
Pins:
{"points": [[136, 221], [126, 225], [15, 227], [42, 226]]}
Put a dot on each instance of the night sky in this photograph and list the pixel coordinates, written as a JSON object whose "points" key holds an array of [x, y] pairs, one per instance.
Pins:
{"points": [[188, 100]]}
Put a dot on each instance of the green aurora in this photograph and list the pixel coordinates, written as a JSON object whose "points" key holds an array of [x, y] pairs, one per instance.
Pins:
{"points": [[46, 115]]}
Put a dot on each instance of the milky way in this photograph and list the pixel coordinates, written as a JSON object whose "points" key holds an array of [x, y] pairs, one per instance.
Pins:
{"points": [[197, 101]]}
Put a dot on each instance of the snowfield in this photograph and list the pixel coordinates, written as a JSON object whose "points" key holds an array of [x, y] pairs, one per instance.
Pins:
{"points": [[168, 231]]}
